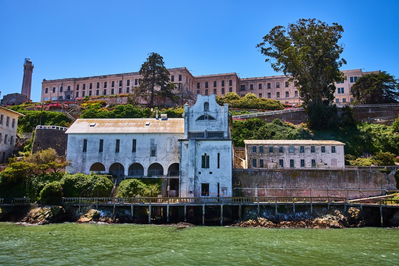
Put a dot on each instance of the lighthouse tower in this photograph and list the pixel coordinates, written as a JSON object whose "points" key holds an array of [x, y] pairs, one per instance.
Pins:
{"points": [[27, 81]]}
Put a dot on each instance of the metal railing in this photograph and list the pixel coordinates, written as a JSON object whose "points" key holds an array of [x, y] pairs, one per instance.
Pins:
{"points": [[203, 200], [20, 201], [286, 111]]}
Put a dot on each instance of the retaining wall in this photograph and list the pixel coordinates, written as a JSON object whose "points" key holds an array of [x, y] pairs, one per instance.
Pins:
{"points": [[305, 183]]}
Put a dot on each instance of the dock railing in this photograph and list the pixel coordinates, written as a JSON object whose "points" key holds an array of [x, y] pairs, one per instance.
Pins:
{"points": [[204, 200]]}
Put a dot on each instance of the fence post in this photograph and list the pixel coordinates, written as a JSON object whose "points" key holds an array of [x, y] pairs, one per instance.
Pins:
{"points": [[203, 214], [149, 212], [131, 209], [240, 211], [276, 206], [381, 216], [167, 211], [221, 214], [185, 212]]}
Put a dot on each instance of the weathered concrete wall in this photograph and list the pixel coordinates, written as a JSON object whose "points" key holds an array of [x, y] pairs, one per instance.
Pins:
{"points": [[50, 138], [297, 183], [360, 112]]}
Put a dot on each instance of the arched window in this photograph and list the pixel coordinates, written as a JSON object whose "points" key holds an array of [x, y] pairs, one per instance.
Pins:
{"points": [[206, 117], [206, 106]]}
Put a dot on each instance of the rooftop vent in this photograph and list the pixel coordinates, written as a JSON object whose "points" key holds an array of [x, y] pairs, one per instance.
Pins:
{"points": [[164, 117], [92, 124], [147, 124]]}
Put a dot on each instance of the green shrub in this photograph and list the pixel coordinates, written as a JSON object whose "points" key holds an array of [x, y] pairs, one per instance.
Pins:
{"points": [[145, 187], [81, 185], [51, 193]]}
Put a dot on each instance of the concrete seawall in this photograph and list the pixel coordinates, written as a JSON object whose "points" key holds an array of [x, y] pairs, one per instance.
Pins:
{"points": [[305, 183]]}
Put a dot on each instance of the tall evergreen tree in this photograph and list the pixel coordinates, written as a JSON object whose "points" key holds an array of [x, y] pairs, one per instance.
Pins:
{"points": [[309, 51], [155, 79], [376, 88]]}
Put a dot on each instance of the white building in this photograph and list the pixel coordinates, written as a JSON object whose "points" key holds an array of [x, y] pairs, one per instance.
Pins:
{"points": [[206, 160], [201, 164], [294, 154], [8, 132]]}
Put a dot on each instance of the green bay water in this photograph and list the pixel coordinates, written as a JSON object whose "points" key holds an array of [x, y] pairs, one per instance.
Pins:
{"points": [[127, 244]]}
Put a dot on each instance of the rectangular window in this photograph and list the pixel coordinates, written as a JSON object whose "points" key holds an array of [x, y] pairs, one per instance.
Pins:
{"points": [[268, 85], [198, 85], [97, 92], [254, 149], [120, 90], [230, 89], [222, 83], [134, 145], [242, 88], [77, 94], [61, 89], [84, 87], [120, 83], [1, 136], [342, 90], [277, 84], [83, 94], [287, 84], [46, 90], [172, 78], [251, 86], [269, 95], [291, 149], [53, 89], [339, 90], [98, 85], [281, 163], [69, 88], [206, 92], [278, 94], [128, 82], [112, 91], [113, 84], [332, 149], [302, 149], [296, 93], [292, 163], [214, 84], [312, 149], [205, 161], [260, 86], [260, 95], [280, 149], [117, 145], [270, 149], [344, 100], [101, 148], [179, 77], [77, 87], [206, 84], [85, 145], [214, 91], [254, 163], [105, 84], [313, 163], [91, 86], [302, 162], [260, 149], [105, 92], [323, 149], [230, 83], [153, 148], [218, 160], [5, 138], [337, 100], [13, 123], [204, 189], [287, 94], [222, 90], [260, 163], [127, 90], [136, 81]]}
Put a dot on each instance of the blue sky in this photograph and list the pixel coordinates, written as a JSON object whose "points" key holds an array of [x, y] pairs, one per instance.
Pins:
{"points": [[78, 38]]}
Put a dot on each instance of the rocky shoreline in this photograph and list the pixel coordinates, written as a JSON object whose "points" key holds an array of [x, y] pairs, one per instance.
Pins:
{"points": [[42, 215]]}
